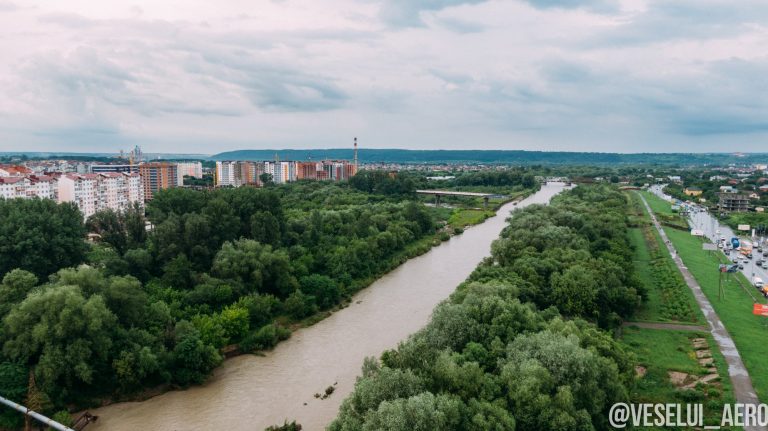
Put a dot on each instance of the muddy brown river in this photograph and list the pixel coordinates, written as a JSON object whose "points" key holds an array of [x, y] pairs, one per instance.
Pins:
{"points": [[249, 392]]}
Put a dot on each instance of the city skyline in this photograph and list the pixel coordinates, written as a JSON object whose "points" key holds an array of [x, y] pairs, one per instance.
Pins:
{"points": [[581, 75]]}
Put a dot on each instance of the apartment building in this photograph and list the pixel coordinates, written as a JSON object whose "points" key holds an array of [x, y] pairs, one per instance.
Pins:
{"points": [[41, 186], [158, 176], [733, 202], [95, 192], [189, 169], [100, 169], [238, 173], [14, 171]]}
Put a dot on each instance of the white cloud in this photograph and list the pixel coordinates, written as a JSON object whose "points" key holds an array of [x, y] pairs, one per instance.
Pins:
{"points": [[536, 74]]}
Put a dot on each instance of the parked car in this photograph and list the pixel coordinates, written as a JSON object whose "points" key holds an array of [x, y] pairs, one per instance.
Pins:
{"points": [[765, 264], [741, 266]]}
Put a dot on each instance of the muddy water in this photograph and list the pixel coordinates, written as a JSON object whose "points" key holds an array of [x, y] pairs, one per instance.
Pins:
{"points": [[252, 392]]}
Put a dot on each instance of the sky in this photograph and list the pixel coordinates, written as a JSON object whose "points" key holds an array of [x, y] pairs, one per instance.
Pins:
{"points": [[197, 76]]}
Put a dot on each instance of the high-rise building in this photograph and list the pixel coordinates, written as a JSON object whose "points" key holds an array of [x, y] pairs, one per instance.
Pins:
{"points": [[238, 173], [189, 169], [95, 192], [158, 176]]}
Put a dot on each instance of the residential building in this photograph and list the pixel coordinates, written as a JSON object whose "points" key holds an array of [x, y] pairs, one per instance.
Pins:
{"points": [[14, 171], [238, 173], [95, 192], [733, 202], [158, 176], [189, 169], [693, 191], [13, 187], [100, 169], [41, 186]]}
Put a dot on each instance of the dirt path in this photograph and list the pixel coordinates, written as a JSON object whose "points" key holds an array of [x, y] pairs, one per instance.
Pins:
{"points": [[668, 326], [742, 384]]}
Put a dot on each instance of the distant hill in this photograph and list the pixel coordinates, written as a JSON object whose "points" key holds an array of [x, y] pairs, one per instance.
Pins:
{"points": [[369, 155]]}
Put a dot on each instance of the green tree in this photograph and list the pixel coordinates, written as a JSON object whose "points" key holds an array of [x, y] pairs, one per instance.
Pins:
{"points": [[63, 335], [40, 236]]}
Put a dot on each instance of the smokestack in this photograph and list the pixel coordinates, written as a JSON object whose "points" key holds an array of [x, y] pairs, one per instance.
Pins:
{"points": [[355, 154]]}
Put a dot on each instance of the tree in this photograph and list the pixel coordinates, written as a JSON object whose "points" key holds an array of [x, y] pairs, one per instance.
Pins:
{"points": [[265, 228], [323, 288], [14, 288], [40, 236], [266, 179], [107, 223], [192, 359], [71, 339]]}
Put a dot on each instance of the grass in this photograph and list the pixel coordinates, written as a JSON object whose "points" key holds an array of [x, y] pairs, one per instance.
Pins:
{"points": [[468, 217], [668, 297], [661, 351], [748, 331]]}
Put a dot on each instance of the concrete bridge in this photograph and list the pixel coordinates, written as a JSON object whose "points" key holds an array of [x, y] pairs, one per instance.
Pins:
{"points": [[439, 193]]}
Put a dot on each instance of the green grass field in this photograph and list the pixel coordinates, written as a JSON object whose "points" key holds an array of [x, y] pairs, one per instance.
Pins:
{"points": [[661, 351], [748, 331], [468, 217]]}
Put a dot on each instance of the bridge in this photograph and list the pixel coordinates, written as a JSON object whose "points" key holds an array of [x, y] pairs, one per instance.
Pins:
{"points": [[439, 193]]}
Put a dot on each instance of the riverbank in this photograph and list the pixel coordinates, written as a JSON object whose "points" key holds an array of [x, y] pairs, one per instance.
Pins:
{"points": [[252, 392]]}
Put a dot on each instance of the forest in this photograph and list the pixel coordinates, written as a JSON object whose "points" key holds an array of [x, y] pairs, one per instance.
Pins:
{"points": [[219, 271], [526, 341]]}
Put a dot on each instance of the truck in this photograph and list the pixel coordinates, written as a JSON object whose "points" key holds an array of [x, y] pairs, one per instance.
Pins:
{"points": [[758, 282], [735, 243]]}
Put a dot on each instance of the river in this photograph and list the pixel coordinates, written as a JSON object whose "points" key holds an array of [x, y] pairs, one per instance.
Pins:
{"points": [[251, 392]]}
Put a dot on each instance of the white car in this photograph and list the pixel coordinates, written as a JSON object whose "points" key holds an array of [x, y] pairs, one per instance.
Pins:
{"points": [[765, 264]]}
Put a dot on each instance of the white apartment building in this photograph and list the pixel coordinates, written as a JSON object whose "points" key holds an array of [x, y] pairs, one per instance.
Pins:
{"points": [[42, 186], [225, 173], [13, 187], [94, 192], [189, 169]]}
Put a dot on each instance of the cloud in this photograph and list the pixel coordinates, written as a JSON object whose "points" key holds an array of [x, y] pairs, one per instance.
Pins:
{"points": [[591, 5], [6, 6], [407, 13]]}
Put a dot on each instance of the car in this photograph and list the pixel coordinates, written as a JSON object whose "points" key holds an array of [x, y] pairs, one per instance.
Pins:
{"points": [[759, 262], [741, 266], [735, 259], [765, 265], [749, 256]]}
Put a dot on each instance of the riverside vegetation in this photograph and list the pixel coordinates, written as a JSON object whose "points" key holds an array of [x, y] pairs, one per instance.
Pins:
{"points": [[220, 270], [525, 342]]}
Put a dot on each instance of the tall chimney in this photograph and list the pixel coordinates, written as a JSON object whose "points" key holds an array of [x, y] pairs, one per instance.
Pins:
{"points": [[355, 154]]}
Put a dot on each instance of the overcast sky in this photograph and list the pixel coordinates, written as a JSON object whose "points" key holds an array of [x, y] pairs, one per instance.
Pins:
{"points": [[201, 76]]}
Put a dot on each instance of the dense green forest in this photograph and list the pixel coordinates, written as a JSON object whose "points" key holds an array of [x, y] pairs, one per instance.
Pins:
{"points": [[218, 268], [523, 343], [519, 157]]}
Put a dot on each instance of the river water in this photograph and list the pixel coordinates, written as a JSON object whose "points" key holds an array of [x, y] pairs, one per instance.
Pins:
{"points": [[252, 392]]}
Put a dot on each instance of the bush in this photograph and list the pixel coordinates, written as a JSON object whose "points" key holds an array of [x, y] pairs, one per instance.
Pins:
{"points": [[298, 305], [264, 338]]}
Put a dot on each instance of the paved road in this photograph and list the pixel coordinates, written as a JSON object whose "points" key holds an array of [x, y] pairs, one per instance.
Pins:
{"points": [[742, 384], [710, 226], [667, 326]]}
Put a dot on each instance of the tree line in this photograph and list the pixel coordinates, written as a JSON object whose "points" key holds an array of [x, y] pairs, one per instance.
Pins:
{"points": [[148, 307], [524, 342]]}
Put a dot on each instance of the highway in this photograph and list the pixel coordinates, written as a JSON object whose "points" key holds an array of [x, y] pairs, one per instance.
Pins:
{"points": [[704, 221]]}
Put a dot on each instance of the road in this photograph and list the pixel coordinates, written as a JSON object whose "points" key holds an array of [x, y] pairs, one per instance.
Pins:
{"points": [[710, 226], [742, 384]]}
